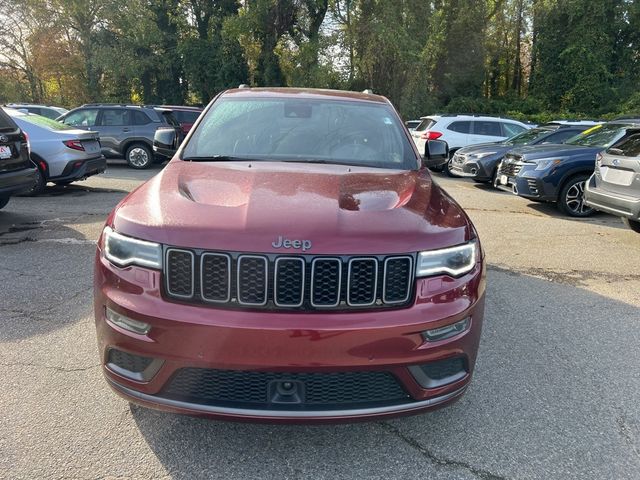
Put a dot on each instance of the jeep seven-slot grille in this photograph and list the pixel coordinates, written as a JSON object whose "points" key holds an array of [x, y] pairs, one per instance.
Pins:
{"points": [[304, 282]]}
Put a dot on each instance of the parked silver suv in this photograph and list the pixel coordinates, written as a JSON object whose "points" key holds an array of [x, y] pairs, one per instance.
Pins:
{"points": [[614, 186], [125, 130]]}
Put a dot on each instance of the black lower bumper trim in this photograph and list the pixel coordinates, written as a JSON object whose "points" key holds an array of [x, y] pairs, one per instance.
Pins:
{"points": [[303, 415]]}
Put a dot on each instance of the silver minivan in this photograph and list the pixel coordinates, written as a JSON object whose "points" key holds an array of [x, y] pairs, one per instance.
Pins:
{"points": [[614, 186]]}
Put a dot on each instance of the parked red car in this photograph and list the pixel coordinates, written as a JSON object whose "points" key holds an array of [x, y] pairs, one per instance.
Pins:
{"points": [[186, 116], [292, 263]]}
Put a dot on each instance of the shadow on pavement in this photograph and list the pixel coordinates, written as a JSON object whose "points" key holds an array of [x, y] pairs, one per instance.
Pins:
{"points": [[555, 395]]}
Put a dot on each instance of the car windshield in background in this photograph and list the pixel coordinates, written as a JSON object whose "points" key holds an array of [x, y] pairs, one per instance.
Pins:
{"points": [[45, 122], [526, 137], [598, 136], [302, 130]]}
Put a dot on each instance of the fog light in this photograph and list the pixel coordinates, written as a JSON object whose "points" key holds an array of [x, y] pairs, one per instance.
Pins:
{"points": [[447, 331], [127, 323]]}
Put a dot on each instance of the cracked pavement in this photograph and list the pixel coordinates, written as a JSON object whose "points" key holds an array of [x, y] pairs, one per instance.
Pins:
{"points": [[555, 393]]}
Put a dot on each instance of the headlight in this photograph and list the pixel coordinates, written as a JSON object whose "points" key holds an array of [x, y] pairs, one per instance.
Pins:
{"points": [[547, 163], [455, 261], [123, 250], [484, 154]]}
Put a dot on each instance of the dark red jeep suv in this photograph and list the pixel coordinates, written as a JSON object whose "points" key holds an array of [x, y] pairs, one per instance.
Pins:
{"points": [[293, 262]]}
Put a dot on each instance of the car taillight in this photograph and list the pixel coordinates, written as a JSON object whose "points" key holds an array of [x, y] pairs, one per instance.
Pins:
{"points": [[74, 144], [429, 135], [26, 140]]}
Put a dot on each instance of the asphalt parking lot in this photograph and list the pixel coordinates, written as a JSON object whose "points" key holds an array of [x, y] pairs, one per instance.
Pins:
{"points": [[555, 395]]}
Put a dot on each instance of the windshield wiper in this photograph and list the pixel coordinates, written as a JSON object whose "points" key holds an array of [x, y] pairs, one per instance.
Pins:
{"points": [[326, 162], [218, 158]]}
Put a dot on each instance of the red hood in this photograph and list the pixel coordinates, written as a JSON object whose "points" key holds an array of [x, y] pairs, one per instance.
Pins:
{"points": [[239, 206]]}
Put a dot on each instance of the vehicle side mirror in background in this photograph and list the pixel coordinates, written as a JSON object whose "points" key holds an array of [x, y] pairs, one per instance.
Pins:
{"points": [[436, 153]]}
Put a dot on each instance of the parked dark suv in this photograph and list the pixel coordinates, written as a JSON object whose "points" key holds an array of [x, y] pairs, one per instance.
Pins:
{"points": [[17, 173], [480, 162], [125, 130], [557, 173]]}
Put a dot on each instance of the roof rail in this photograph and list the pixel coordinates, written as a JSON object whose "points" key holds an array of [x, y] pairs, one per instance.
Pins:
{"points": [[368, 91], [243, 85]]}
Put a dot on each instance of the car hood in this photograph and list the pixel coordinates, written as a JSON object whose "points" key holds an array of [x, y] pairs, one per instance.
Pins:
{"points": [[241, 206], [535, 152]]}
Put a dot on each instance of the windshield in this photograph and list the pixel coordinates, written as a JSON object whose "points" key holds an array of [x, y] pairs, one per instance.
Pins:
{"points": [[598, 136], [302, 130], [527, 136]]}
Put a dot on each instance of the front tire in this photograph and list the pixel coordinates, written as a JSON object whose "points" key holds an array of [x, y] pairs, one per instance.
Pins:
{"points": [[139, 156], [571, 199], [632, 224], [446, 168]]}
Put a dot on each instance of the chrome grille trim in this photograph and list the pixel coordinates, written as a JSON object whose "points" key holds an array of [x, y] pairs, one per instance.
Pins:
{"points": [[302, 286], [202, 260], [313, 276], [409, 280], [375, 281], [266, 279], [166, 274]]}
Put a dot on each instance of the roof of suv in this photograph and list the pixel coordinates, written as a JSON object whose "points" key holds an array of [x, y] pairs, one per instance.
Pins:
{"points": [[308, 93], [470, 116]]}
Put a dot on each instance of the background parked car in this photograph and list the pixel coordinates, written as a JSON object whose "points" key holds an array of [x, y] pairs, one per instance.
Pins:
{"points": [[48, 111], [412, 124], [480, 162], [614, 186], [557, 173], [464, 130], [186, 116], [61, 154], [17, 173], [125, 130]]}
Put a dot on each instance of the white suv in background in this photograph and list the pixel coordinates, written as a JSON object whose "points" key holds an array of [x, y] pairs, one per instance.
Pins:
{"points": [[464, 130]]}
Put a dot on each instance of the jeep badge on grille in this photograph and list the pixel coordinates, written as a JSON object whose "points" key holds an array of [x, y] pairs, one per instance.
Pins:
{"points": [[297, 244]]}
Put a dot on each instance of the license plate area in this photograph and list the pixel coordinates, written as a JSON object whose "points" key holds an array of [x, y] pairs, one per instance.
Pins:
{"points": [[5, 152], [91, 146], [618, 176]]}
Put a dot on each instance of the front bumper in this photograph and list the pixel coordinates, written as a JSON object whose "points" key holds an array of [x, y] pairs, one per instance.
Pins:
{"points": [[286, 343], [530, 183], [17, 181], [81, 169], [608, 202], [471, 168]]}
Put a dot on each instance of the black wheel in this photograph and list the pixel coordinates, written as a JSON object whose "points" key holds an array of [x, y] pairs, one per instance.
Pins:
{"points": [[38, 188], [446, 168], [139, 156], [632, 224], [4, 201], [571, 199]]}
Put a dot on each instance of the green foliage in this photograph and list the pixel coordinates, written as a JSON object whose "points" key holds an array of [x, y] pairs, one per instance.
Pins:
{"points": [[529, 59]]}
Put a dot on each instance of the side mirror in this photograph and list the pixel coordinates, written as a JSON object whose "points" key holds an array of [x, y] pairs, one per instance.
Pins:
{"points": [[436, 153]]}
